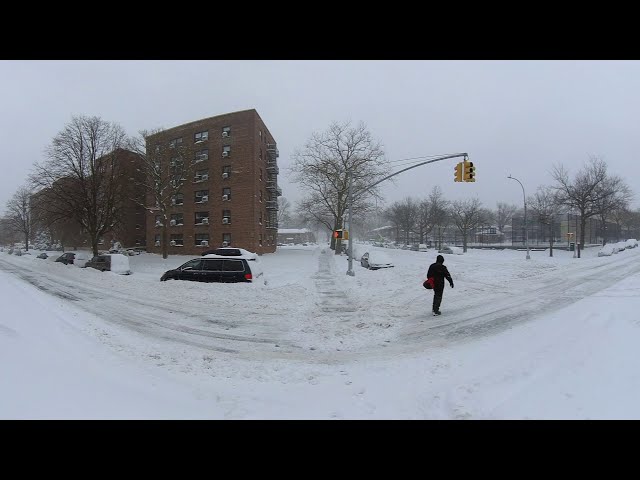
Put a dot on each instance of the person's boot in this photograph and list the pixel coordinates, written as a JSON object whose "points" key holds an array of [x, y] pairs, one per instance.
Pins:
{"points": [[436, 312]]}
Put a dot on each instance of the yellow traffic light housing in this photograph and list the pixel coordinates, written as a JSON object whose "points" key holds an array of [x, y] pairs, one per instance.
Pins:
{"points": [[458, 173], [469, 172]]}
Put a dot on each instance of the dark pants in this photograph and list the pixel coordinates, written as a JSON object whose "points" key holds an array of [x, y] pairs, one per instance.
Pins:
{"points": [[437, 298]]}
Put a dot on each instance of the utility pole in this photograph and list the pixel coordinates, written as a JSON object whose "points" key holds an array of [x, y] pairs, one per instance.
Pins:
{"points": [[350, 271]]}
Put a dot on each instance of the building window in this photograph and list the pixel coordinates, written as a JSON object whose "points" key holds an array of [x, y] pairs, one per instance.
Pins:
{"points": [[226, 150], [226, 131], [260, 174], [177, 199], [158, 220], [202, 218], [201, 239], [260, 157], [226, 170], [175, 162], [156, 239], [260, 239], [226, 216], [176, 219], [138, 226], [260, 196], [260, 219], [226, 239], [157, 148], [176, 240], [176, 142], [260, 133], [226, 193], [201, 175], [202, 196], [201, 136], [202, 155]]}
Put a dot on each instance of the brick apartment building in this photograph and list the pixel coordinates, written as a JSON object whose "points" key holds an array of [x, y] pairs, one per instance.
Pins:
{"points": [[231, 199]]}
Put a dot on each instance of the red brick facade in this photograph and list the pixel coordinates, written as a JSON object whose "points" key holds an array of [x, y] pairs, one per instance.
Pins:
{"points": [[247, 173]]}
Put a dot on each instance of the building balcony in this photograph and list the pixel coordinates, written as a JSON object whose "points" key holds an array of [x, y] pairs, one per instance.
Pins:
{"points": [[271, 205]]}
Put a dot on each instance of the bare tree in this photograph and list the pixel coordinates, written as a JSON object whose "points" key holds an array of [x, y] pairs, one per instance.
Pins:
{"points": [[504, 215], [81, 175], [631, 222], [283, 211], [587, 193], [612, 199], [7, 234], [18, 214], [403, 215], [438, 213], [466, 216], [322, 169], [424, 220], [165, 170], [544, 208]]}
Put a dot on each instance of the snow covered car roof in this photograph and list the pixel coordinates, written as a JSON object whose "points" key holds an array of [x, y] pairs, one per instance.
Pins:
{"points": [[231, 252]]}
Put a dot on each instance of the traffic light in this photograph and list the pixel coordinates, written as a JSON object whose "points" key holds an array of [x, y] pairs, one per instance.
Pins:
{"points": [[458, 173], [469, 172]]}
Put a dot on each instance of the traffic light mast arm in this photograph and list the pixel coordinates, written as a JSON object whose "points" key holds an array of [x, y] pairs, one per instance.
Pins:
{"points": [[445, 157], [352, 196]]}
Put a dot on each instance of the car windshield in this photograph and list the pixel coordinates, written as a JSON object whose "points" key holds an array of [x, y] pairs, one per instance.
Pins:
{"points": [[193, 264]]}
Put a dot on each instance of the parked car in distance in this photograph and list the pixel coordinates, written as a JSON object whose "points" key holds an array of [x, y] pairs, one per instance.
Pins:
{"points": [[451, 249], [111, 262], [375, 260], [79, 259], [606, 251], [218, 268], [43, 255], [632, 243]]}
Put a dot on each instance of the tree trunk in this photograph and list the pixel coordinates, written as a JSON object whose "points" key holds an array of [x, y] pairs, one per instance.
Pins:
{"points": [[464, 242], [165, 240], [583, 225], [551, 239]]}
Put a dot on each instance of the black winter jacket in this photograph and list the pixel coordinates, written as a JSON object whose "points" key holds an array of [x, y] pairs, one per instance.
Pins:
{"points": [[439, 272]]}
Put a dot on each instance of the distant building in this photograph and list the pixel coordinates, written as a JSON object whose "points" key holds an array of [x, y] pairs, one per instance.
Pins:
{"points": [[52, 216], [295, 235], [232, 198]]}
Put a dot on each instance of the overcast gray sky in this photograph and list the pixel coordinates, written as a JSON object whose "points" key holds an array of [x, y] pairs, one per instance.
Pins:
{"points": [[512, 117]]}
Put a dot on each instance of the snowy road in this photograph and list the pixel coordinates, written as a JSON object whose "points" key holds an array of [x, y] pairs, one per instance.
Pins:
{"points": [[313, 314]]}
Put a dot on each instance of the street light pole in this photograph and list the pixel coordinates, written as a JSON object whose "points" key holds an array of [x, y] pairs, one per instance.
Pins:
{"points": [[526, 231]]}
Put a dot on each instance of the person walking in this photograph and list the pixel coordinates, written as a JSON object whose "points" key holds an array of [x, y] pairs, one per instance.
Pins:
{"points": [[439, 272]]}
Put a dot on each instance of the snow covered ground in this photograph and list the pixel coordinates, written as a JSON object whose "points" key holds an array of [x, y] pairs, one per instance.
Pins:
{"points": [[545, 338]]}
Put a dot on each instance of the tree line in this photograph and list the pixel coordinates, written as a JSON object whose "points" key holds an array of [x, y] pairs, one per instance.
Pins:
{"points": [[324, 165]]}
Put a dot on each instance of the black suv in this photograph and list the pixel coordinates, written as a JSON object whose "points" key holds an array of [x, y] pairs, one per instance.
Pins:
{"points": [[216, 268]]}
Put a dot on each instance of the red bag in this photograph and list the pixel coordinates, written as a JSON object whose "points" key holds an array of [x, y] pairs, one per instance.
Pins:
{"points": [[429, 283]]}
